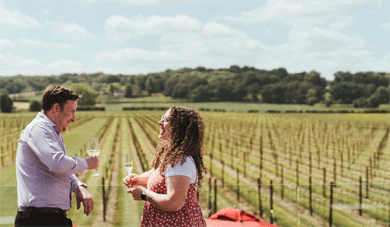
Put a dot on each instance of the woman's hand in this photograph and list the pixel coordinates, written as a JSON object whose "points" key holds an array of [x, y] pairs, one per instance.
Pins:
{"points": [[131, 180], [177, 189], [136, 192]]}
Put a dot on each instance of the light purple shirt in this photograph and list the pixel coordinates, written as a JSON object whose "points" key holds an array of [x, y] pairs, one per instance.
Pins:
{"points": [[44, 173]]}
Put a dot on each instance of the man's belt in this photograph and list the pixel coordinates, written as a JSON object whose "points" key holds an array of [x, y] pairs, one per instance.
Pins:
{"points": [[42, 210]]}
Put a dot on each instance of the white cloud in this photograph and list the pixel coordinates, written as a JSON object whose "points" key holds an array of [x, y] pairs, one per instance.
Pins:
{"points": [[120, 28], [317, 37], [177, 41], [373, 64], [46, 12], [214, 29], [39, 43], [29, 63], [130, 54], [304, 12], [149, 2], [4, 43], [323, 40], [385, 25], [13, 64], [72, 31], [65, 66], [17, 19], [339, 25], [130, 2]]}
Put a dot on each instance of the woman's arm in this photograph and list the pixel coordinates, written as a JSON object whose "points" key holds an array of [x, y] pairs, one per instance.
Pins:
{"points": [[177, 189], [133, 179]]}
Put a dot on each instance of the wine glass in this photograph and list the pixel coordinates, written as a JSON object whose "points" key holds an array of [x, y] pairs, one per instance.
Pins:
{"points": [[93, 149], [128, 163]]}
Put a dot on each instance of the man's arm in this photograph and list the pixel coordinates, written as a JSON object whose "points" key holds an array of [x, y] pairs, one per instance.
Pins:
{"points": [[48, 148], [82, 194]]}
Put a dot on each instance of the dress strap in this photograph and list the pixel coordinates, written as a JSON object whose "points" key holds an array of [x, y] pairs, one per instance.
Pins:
{"points": [[196, 181]]}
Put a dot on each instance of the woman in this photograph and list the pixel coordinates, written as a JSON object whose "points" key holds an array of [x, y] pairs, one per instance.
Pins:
{"points": [[171, 185]]}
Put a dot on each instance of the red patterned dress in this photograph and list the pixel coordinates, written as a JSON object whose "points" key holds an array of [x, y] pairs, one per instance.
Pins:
{"points": [[189, 215]]}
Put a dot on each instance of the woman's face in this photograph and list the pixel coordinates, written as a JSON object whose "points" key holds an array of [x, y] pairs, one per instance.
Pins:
{"points": [[164, 126]]}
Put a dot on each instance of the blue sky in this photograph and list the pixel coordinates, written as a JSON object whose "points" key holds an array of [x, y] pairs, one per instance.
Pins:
{"points": [[51, 37]]}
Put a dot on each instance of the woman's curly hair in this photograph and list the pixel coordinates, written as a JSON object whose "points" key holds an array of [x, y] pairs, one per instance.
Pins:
{"points": [[186, 139]]}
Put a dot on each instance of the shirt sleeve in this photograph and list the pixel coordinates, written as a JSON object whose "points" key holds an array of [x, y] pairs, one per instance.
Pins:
{"points": [[45, 143], [187, 169], [75, 182]]}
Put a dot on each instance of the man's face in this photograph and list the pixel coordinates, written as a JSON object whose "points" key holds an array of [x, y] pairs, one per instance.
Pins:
{"points": [[66, 115]]}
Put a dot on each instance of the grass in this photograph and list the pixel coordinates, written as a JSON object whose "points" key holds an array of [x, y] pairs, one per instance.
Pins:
{"points": [[8, 192], [129, 212]]}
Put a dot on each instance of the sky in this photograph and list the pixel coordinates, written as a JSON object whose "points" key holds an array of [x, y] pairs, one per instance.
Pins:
{"points": [[131, 37]]}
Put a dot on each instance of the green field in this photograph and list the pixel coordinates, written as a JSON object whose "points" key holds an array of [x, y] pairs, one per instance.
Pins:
{"points": [[21, 102], [241, 148]]}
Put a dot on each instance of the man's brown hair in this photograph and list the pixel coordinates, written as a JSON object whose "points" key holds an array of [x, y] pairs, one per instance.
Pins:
{"points": [[57, 94]]}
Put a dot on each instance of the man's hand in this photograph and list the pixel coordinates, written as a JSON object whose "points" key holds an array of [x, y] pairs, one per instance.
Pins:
{"points": [[92, 161], [85, 197]]}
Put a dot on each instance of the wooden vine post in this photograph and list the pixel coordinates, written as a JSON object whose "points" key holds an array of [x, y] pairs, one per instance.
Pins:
{"points": [[259, 193], [238, 185], [331, 205], [297, 172], [360, 196], [324, 184], [367, 182], [310, 196], [104, 200], [210, 210], [334, 172], [223, 173], [272, 202], [215, 196], [282, 183]]}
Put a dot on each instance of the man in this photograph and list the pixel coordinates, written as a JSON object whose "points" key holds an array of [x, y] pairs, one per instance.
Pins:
{"points": [[45, 174]]}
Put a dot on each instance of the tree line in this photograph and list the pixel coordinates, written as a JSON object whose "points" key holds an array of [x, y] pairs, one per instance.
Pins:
{"points": [[236, 84]]}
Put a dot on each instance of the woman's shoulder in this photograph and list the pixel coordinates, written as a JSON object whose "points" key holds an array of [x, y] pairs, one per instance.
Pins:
{"points": [[186, 162], [185, 166]]}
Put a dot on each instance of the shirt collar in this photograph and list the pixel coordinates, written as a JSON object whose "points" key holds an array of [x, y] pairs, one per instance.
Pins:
{"points": [[47, 119]]}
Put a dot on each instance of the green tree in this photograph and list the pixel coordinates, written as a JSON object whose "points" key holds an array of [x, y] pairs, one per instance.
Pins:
{"points": [[128, 91], [234, 69], [328, 99], [311, 97], [383, 94], [273, 93], [180, 90], [315, 78], [254, 90], [35, 106], [373, 101], [6, 103], [281, 72], [346, 92], [200, 94], [89, 95], [150, 85]]}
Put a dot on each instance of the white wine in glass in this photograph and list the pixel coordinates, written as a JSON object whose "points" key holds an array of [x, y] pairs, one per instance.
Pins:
{"points": [[128, 163], [93, 149]]}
